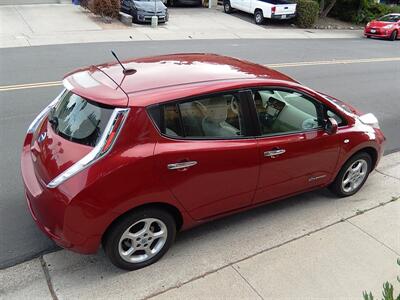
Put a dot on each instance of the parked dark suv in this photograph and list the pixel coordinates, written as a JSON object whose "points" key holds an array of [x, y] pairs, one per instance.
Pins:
{"points": [[142, 10]]}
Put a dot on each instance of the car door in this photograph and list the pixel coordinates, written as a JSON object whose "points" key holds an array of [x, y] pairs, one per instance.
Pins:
{"points": [[238, 4], [205, 155], [296, 153]]}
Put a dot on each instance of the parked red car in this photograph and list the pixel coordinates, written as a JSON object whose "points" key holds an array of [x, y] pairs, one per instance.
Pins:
{"points": [[386, 27], [126, 158]]}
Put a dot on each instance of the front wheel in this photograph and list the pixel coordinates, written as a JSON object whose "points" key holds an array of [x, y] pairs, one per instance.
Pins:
{"points": [[353, 175], [259, 17], [393, 36], [227, 7], [140, 239]]}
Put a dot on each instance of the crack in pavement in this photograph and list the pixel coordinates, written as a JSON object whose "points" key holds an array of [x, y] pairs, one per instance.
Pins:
{"points": [[48, 278], [385, 174]]}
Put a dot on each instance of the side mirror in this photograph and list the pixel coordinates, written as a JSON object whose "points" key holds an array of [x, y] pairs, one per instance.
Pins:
{"points": [[331, 126]]}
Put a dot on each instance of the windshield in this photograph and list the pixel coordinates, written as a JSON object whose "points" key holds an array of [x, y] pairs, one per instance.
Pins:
{"points": [[78, 119], [390, 18]]}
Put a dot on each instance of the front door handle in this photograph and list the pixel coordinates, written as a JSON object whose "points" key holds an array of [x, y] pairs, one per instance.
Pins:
{"points": [[274, 153], [181, 165]]}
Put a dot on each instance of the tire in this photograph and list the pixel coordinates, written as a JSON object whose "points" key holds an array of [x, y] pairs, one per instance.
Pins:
{"points": [[348, 173], [259, 17], [227, 7], [368, 36], [143, 242], [393, 36]]}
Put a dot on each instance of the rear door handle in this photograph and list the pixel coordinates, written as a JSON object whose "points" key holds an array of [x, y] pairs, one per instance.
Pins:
{"points": [[274, 153], [181, 165]]}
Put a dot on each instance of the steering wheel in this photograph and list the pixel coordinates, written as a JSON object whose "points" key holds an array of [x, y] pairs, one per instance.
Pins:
{"points": [[234, 105]]}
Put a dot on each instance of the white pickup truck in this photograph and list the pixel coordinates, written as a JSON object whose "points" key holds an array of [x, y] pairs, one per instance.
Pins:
{"points": [[262, 9]]}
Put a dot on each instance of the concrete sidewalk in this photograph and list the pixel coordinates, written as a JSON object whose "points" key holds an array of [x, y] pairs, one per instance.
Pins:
{"points": [[310, 246], [34, 25]]}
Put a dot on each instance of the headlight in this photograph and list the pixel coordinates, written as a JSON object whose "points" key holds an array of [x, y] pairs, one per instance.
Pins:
{"points": [[369, 119], [388, 26], [369, 23]]}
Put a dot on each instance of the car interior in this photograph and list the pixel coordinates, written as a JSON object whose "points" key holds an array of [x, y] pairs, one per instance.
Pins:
{"points": [[213, 117], [219, 116], [281, 111]]}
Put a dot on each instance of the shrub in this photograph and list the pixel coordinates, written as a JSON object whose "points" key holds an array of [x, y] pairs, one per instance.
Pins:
{"points": [[361, 11], [106, 8], [373, 10], [84, 3], [307, 13]]}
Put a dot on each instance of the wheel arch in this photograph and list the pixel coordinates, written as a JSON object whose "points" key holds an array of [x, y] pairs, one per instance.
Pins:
{"points": [[173, 210]]}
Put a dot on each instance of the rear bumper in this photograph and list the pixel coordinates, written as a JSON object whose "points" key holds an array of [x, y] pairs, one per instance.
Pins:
{"points": [[53, 214], [280, 17]]}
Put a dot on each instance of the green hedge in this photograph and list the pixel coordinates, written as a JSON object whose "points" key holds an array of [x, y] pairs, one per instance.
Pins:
{"points": [[307, 13], [361, 11]]}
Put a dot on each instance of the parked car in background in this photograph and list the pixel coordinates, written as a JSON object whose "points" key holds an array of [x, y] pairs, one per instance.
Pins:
{"points": [[385, 27], [143, 10], [263, 9], [184, 2], [126, 158]]}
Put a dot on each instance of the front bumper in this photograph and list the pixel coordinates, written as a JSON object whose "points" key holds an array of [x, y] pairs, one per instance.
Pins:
{"points": [[146, 17], [374, 32]]}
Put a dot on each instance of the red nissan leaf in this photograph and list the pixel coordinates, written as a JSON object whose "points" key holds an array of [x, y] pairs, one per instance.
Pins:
{"points": [[387, 26], [131, 153]]}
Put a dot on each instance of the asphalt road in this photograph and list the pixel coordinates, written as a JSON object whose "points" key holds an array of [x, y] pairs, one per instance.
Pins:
{"points": [[371, 87]]}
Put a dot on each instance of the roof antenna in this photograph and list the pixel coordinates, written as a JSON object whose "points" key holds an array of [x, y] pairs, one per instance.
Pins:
{"points": [[125, 70]]}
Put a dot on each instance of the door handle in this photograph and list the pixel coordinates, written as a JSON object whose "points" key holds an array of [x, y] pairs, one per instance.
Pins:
{"points": [[181, 165], [274, 153]]}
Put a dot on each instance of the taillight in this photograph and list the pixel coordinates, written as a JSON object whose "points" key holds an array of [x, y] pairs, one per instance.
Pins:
{"points": [[113, 133], [105, 144], [273, 9]]}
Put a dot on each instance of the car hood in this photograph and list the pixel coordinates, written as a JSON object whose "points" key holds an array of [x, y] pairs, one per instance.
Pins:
{"points": [[149, 6], [380, 24]]}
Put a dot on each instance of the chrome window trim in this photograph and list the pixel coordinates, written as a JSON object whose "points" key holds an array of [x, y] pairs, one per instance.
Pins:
{"points": [[96, 153], [35, 123]]}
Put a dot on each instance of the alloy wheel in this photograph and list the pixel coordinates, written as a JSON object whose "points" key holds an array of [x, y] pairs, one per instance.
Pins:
{"points": [[354, 175], [143, 240]]}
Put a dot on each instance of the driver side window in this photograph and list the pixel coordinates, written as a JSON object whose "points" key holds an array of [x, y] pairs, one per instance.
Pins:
{"points": [[286, 112]]}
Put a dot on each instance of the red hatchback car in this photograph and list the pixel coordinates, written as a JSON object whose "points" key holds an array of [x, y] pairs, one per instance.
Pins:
{"points": [[386, 27], [127, 157]]}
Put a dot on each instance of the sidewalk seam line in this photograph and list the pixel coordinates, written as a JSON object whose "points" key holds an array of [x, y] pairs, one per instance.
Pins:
{"points": [[252, 287], [374, 238], [272, 248], [26, 23], [48, 278], [382, 173]]}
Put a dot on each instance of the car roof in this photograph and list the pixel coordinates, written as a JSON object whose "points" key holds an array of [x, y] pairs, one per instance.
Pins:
{"points": [[107, 83]]}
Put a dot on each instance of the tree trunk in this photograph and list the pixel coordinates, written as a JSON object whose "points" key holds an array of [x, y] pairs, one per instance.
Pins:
{"points": [[326, 11], [321, 6]]}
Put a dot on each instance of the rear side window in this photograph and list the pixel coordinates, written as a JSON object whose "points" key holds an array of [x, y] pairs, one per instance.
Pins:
{"points": [[79, 120], [212, 117]]}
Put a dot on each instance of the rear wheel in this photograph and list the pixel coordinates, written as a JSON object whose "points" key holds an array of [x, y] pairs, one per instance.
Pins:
{"points": [[140, 239], [259, 17], [227, 7], [353, 175], [393, 36]]}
